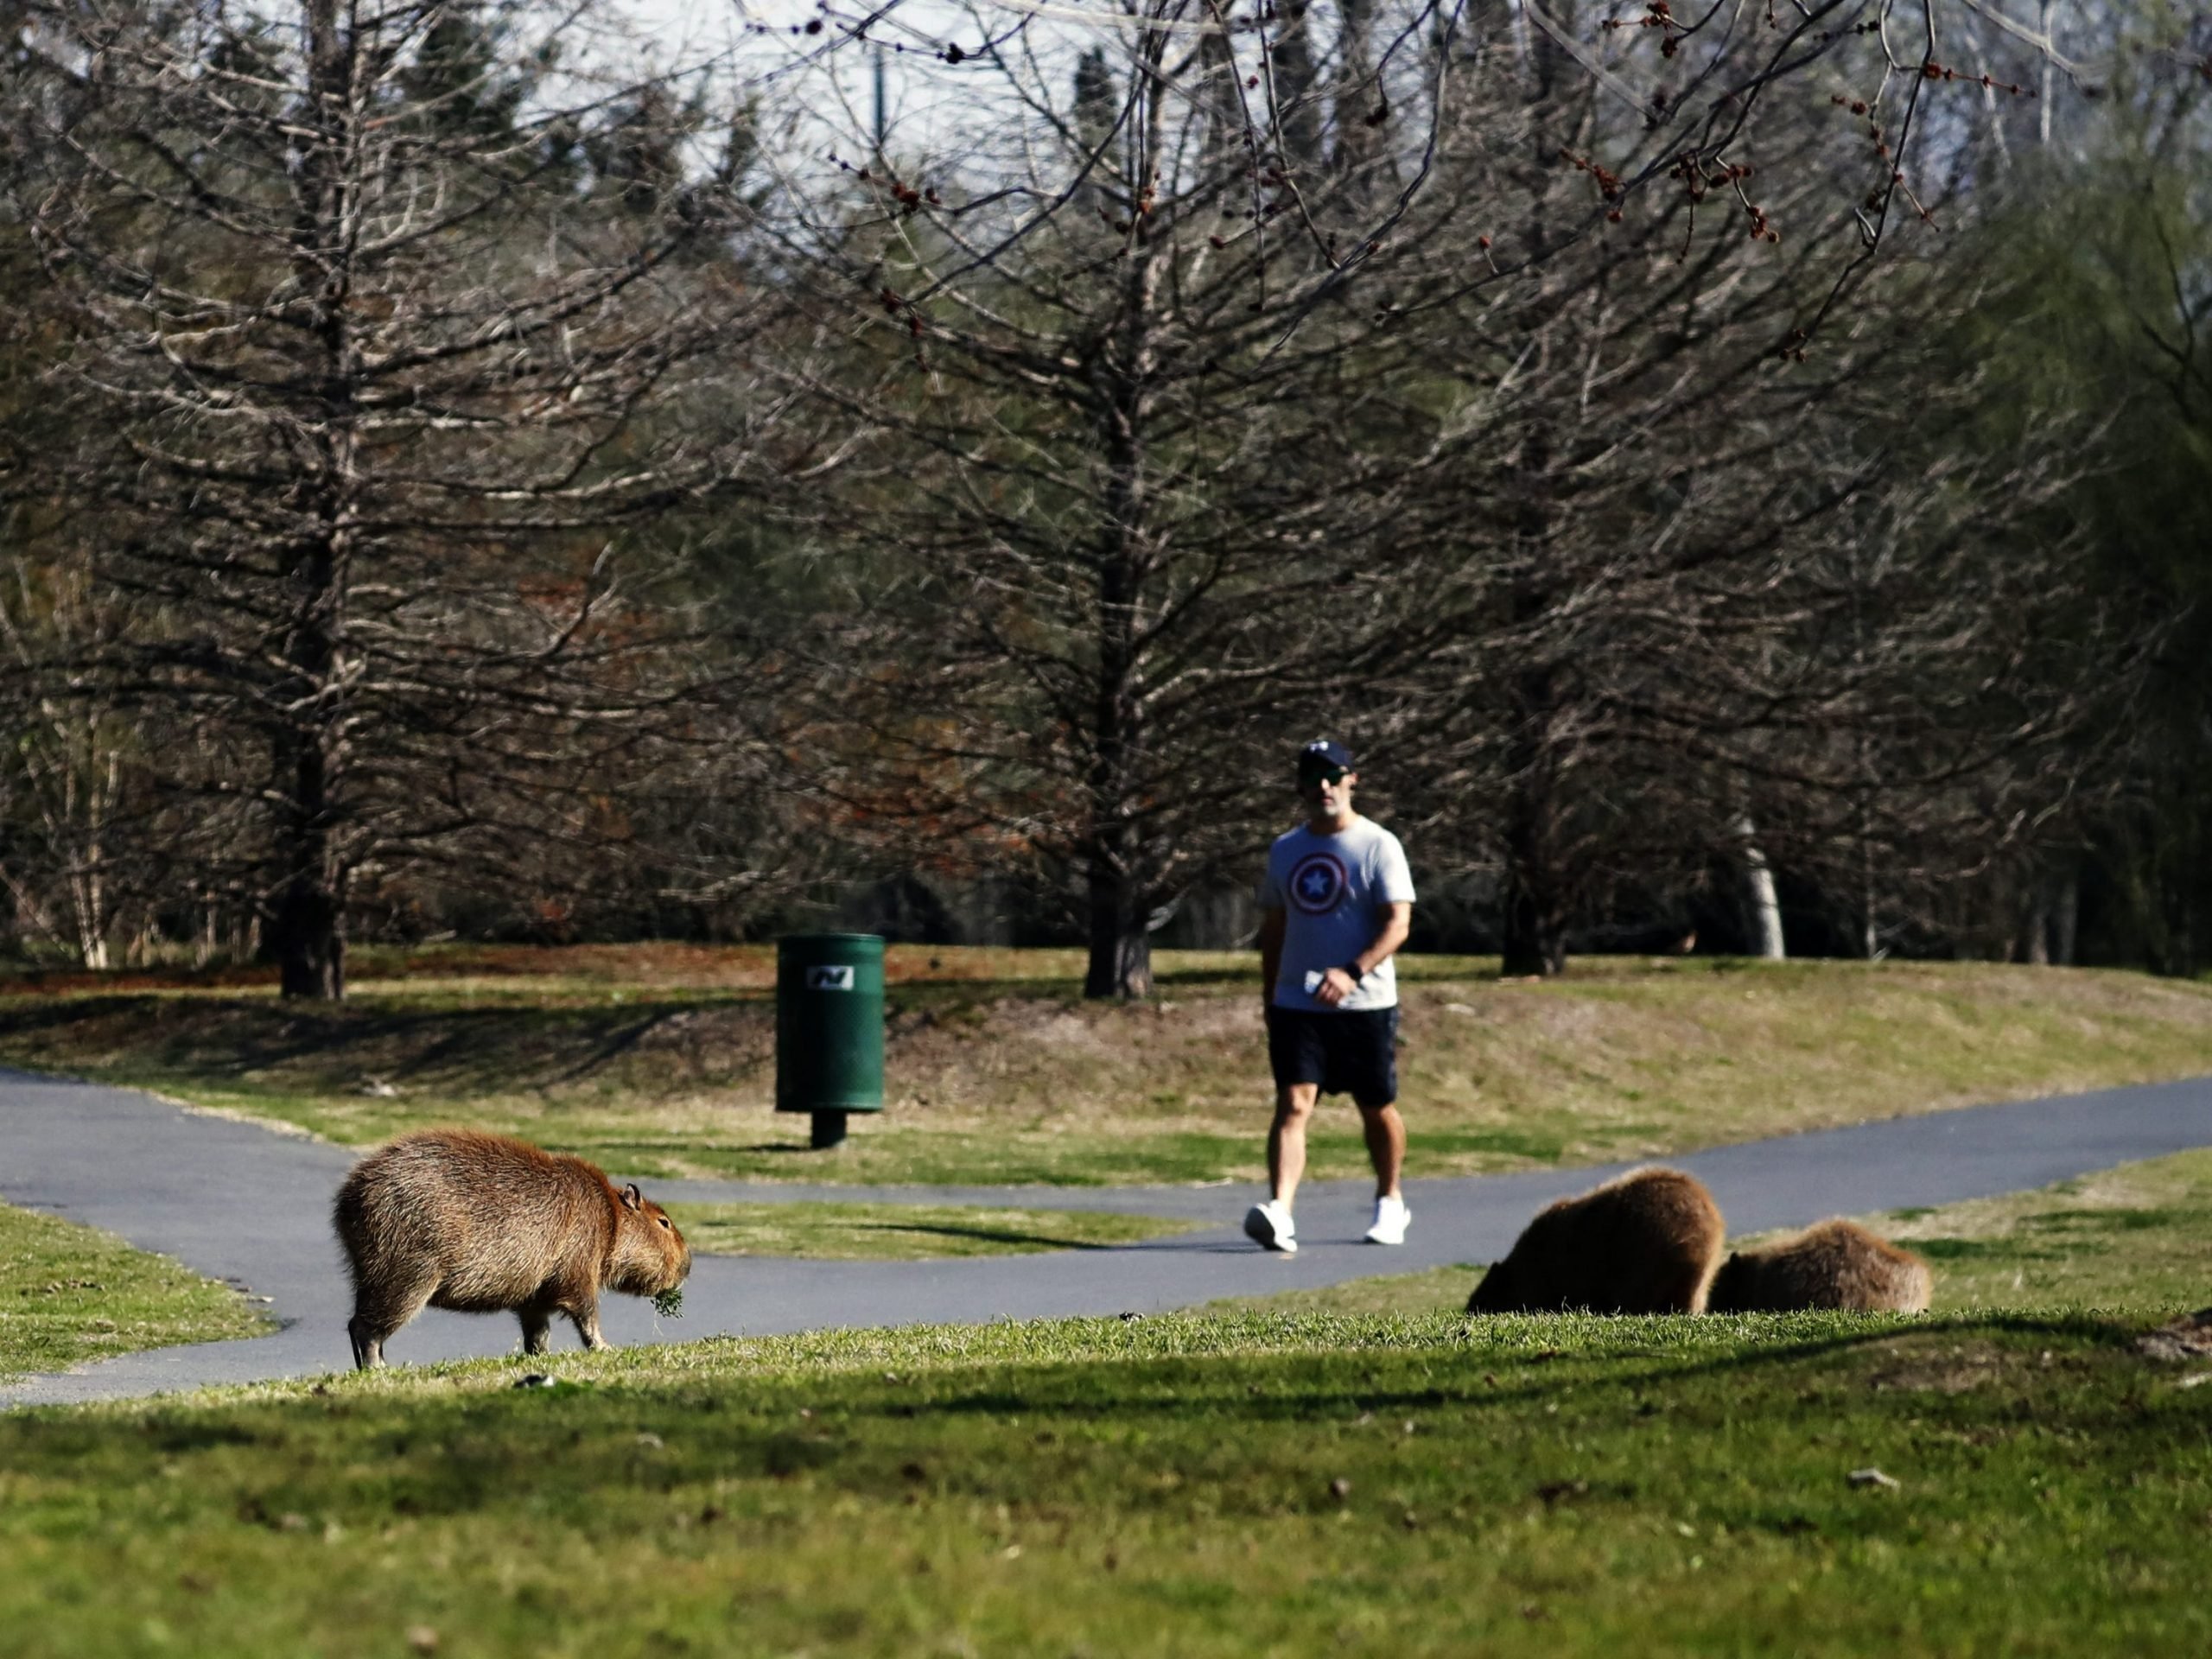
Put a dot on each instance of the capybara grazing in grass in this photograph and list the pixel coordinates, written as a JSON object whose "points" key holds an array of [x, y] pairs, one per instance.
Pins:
{"points": [[1646, 1242], [1837, 1264], [481, 1223]]}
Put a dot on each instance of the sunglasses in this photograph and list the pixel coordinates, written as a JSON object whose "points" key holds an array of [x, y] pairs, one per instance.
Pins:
{"points": [[1321, 775]]}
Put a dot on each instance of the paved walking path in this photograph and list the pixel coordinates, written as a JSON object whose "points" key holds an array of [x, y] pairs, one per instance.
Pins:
{"points": [[239, 1202]]}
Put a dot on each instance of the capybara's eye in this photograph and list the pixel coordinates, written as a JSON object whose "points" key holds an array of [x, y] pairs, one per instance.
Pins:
{"points": [[662, 1219]]}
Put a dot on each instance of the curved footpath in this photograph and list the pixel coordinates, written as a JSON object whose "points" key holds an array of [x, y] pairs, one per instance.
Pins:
{"points": [[251, 1205]]}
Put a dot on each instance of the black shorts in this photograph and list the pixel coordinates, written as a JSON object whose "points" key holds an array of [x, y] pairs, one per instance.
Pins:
{"points": [[1348, 1051]]}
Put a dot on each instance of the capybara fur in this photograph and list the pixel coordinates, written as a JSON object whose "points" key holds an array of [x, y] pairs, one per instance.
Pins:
{"points": [[1836, 1264], [1646, 1242], [481, 1223]]}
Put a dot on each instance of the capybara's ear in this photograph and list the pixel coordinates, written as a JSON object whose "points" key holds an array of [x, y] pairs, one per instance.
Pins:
{"points": [[631, 1198]]}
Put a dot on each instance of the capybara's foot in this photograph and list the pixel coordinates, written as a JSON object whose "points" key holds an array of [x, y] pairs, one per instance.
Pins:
{"points": [[368, 1350]]}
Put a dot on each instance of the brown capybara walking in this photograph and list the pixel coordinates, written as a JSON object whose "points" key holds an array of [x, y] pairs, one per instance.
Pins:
{"points": [[1836, 1264], [1646, 1242], [481, 1223]]}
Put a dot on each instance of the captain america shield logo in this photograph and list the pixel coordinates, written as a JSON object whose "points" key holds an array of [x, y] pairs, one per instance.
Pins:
{"points": [[1317, 882]]}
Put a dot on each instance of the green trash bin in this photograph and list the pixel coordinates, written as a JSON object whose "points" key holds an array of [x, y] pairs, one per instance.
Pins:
{"points": [[829, 1028]]}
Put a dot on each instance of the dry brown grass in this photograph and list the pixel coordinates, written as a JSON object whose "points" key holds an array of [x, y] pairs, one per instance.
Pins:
{"points": [[660, 1060]]}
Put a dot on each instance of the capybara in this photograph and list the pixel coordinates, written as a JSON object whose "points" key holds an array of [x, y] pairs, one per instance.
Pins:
{"points": [[485, 1224], [1645, 1242], [1836, 1264]]}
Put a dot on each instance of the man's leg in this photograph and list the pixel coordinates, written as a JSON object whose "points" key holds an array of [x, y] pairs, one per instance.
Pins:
{"points": [[1386, 1144], [1376, 1095], [1286, 1140]]}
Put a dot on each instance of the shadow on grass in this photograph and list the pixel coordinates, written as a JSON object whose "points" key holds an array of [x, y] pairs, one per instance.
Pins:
{"points": [[501, 1049], [1298, 1405], [989, 1236], [455, 1046], [1944, 1248]]}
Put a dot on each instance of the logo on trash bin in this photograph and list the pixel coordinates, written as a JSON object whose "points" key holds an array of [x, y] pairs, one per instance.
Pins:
{"points": [[830, 979]]}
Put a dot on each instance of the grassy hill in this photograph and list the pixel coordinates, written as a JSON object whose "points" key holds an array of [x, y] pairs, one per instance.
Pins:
{"points": [[2010, 1474], [660, 1060]]}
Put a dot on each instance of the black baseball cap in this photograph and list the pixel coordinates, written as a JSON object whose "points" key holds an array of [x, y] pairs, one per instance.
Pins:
{"points": [[1322, 755]]}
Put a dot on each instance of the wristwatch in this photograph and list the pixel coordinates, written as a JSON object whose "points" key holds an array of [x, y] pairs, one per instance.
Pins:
{"points": [[1354, 969]]}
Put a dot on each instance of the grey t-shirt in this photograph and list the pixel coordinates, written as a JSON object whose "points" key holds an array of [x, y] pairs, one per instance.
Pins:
{"points": [[1331, 890]]}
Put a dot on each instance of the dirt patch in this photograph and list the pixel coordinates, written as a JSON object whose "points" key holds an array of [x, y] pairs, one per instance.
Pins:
{"points": [[1953, 1369], [2187, 1338]]}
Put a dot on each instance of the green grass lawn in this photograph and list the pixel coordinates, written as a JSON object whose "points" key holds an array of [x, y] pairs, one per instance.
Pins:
{"points": [[659, 1059], [1286, 1477], [2137, 1236], [1192, 1486], [69, 1294], [905, 1232]]}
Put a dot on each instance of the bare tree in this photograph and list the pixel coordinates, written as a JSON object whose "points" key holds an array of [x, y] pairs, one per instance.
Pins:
{"points": [[1649, 647], [1118, 549], [392, 319], [75, 753], [1160, 484]]}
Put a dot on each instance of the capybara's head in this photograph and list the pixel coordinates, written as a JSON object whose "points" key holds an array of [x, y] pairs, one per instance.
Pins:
{"points": [[650, 1253], [1494, 1292]]}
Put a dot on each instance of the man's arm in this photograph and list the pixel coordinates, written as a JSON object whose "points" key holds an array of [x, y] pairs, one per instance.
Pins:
{"points": [[1340, 983], [1272, 924]]}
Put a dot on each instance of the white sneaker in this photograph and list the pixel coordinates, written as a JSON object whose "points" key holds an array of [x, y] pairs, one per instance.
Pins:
{"points": [[1268, 1226], [1390, 1218]]}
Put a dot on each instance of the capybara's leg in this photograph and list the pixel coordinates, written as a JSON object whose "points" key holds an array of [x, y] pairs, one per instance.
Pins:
{"points": [[381, 1310], [581, 1305], [537, 1325], [1689, 1293]]}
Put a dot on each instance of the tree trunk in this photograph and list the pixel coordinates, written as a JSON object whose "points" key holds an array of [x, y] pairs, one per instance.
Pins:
{"points": [[2043, 70], [1533, 926], [305, 930], [1870, 931], [1121, 946], [2065, 915], [310, 947], [1758, 887], [1535, 930], [1870, 900], [1296, 86], [2034, 946], [90, 905], [1536, 894]]}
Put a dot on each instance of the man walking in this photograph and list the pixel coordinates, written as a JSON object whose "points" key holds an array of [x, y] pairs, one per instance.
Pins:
{"points": [[1336, 904]]}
